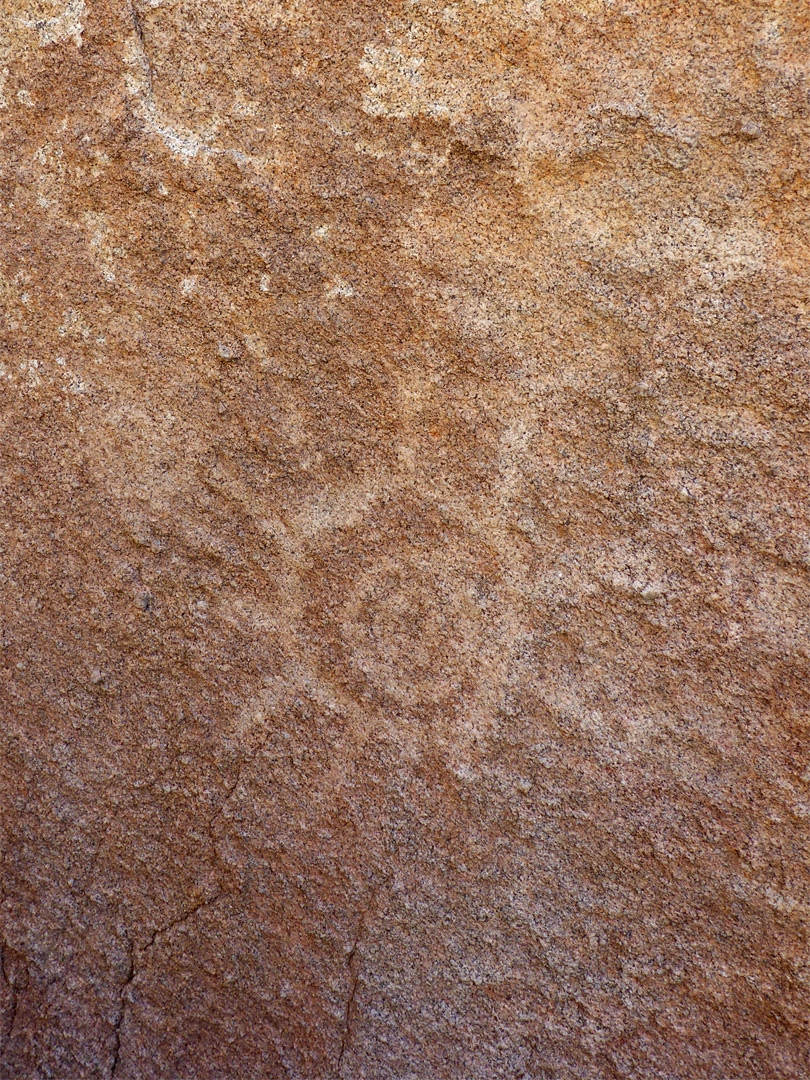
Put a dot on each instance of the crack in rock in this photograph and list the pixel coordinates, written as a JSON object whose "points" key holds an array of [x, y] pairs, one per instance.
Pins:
{"points": [[122, 1006], [183, 142], [12, 985], [136, 958], [353, 966], [347, 1016], [137, 22]]}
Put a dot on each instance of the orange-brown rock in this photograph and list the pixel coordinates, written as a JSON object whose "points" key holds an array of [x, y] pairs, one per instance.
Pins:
{"points": [[405, 540]]}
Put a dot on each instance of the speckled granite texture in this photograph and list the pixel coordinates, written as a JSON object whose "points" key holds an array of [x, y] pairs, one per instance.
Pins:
{"points": [[404, 540]]}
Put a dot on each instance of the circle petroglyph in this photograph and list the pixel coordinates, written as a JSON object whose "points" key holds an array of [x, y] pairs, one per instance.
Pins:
{"points": [[428, 628]]}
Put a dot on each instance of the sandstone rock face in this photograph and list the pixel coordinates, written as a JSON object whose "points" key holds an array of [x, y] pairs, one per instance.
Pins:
{"points": [[404, 548]]}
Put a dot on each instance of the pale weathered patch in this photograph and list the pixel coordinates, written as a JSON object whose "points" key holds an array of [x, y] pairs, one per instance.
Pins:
{"points": [[64, 25]]}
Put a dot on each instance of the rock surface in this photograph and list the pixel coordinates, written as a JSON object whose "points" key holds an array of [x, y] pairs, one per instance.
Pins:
{"points": [[404, 547]]}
